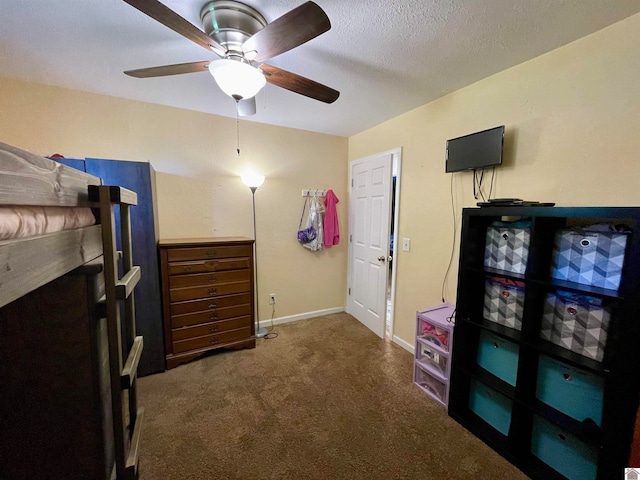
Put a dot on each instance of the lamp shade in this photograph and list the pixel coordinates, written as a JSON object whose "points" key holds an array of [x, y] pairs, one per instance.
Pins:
{"points": [[236, 78], [252, 179]]}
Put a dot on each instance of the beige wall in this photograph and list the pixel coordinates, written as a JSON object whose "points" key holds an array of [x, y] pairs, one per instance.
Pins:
{"points": [[200, 193], [572, 118]]}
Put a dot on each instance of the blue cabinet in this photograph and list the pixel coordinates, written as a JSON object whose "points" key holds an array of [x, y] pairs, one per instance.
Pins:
{"points": [[140, 178]]}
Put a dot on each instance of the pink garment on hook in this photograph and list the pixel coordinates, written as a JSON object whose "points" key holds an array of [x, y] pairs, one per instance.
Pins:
{"points": [[331, 228]]}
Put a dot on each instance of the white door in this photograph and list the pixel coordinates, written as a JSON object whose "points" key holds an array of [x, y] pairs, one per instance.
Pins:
{"points": [[369, 214]]}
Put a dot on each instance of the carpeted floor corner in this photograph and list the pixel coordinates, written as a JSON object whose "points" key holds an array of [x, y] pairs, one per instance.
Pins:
{"points": [[326, 399]]}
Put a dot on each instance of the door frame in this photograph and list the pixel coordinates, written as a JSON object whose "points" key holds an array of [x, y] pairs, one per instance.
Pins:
{"points": [[396, 169]]}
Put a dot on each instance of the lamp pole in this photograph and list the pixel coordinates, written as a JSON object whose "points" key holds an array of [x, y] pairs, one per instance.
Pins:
{"points": [[260, 332], [253, 181]]}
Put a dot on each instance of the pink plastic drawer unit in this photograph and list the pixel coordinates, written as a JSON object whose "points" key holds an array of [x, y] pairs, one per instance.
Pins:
{"points": [[434, 326], [432, 365]]}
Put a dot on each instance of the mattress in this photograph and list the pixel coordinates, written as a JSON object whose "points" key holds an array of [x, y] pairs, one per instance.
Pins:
{"points": [[20, 222]]}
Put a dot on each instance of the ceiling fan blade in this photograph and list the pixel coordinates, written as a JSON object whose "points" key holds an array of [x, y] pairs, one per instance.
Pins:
{"points": [[166, 70], [247, 107], [290, 30], [175, 22], [298, 84]]}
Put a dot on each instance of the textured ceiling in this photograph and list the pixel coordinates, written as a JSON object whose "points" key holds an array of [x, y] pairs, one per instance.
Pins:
{"points": [[386, 57]]}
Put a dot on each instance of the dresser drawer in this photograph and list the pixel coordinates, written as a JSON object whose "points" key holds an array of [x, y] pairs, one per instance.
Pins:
{"points": [[194, 306], [210, 328], [213, 315], [211, 340], [202, 266], [192, 293], [212, 278], [204, 253]]}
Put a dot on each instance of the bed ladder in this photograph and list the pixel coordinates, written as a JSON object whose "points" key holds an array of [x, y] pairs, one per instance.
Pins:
{"points": [[125, 347]]}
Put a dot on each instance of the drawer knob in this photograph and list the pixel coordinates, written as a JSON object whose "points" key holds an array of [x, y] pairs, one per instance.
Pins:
{"points": [[188, 269], [567, 377], [212, 291], [213, 316], [211, 278], [495, 345], [213, 328], [213, 340], [212, 305], [210, 253]]}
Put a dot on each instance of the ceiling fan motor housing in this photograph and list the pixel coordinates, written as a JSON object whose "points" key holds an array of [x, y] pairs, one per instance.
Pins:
{"points": [[231, 23]]}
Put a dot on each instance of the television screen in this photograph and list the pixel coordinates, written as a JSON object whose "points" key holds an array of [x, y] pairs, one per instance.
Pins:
{"points": [[475, 151]]}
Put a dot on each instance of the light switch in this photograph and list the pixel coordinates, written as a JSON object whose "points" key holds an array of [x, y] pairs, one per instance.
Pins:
{"points": [[406, 244]]}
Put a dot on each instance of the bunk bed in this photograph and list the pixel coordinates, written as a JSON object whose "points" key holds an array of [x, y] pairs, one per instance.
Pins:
{"points": [[68, 406]]}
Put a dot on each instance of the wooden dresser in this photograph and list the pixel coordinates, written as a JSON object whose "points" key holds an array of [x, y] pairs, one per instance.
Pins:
{"points": [[207, 289]]}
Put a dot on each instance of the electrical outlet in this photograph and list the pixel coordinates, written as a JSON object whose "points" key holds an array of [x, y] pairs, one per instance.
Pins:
{"points": [[272, 299]]}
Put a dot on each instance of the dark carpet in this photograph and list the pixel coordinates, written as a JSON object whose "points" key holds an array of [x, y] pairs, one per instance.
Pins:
{"points": [[326, 399]]}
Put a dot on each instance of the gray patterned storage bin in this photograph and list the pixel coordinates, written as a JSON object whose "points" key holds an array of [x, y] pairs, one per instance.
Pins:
{"points": [[576, 322], [507, 246], [590, 256], [504, 302]]}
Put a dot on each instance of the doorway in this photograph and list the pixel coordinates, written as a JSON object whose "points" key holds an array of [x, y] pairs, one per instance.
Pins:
{"points": [[373, 220]]}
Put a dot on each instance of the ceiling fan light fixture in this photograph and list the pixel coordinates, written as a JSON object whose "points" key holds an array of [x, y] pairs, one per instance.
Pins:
{"points": [[237, 79]]}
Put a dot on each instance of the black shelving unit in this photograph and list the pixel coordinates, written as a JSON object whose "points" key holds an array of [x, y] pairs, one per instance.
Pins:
{"points": [[513, 419]]}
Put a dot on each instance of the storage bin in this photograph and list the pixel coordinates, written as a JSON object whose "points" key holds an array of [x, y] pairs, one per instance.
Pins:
{"points": [[504, 302], [430, 358], [576, 322], [490, 405], [572, 391], [430, 384], [563, 451], [431, 326], [498, 356], [589, 257], [507, 246]]}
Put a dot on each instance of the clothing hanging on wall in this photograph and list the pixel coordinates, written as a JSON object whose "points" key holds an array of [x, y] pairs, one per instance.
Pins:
{"points": [[331, 228], [305, 235], [316, 209]]}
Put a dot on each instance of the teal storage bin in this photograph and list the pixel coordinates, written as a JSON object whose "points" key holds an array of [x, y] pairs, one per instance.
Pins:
{"points": [[493, 407], [498, 356], [563, 451], [572, 391]]}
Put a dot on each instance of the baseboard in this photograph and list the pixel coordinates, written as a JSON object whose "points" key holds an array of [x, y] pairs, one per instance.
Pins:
{"points": [[301, 316], [407, 346]]}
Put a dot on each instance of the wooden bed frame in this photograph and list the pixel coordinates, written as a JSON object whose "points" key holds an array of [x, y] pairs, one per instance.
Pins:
{"points": [[33, 265], [27, 179]]}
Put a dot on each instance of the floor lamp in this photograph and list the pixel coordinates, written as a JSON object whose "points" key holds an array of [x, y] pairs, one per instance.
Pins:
{"points": [[253, 181]]}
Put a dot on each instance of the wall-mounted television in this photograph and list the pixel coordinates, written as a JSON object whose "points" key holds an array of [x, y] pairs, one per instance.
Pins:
{"points": [[475, 151]]}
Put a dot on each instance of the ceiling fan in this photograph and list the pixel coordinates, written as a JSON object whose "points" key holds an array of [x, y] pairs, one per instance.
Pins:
{"points": [[241, 36]]}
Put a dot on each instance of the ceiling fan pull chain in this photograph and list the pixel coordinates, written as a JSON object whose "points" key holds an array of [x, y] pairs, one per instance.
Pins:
{"points": [[237, 127]]}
